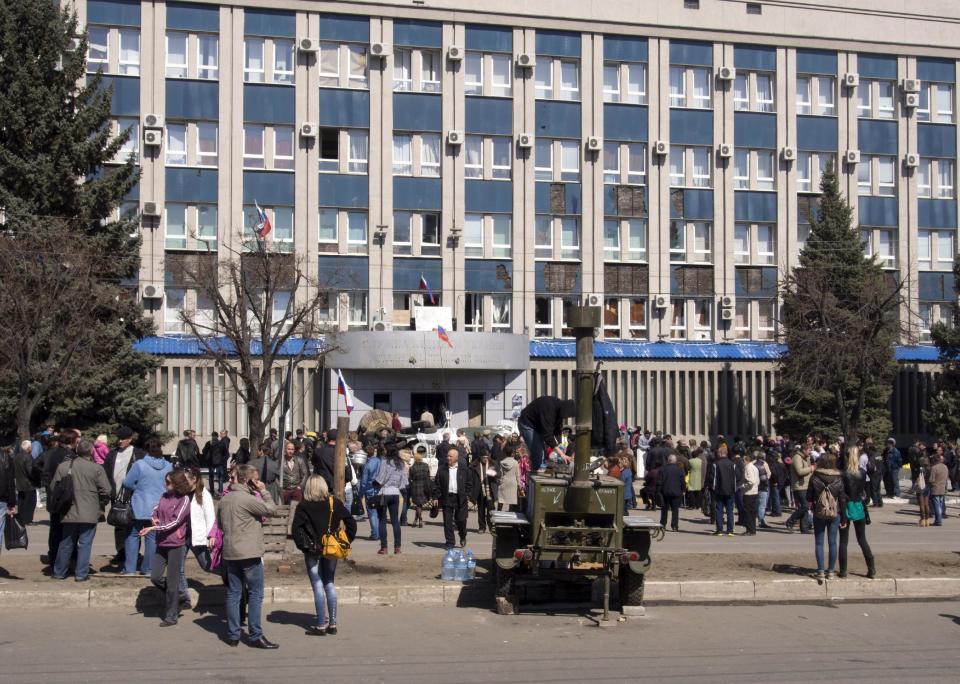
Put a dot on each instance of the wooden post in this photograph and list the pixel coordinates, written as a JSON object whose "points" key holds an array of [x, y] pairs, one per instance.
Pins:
{"points": [[340, 457]]}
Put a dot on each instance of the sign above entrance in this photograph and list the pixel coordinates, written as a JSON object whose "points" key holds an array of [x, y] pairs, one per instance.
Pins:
{"points": [[420, 350], [432, 317]]}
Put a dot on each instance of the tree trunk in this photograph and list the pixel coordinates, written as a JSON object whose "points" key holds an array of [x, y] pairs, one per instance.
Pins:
{"points": [[256, 428], [25, 409]]}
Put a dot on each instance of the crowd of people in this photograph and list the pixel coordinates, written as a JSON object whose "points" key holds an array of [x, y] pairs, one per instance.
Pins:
{"points": [[163, 509]]}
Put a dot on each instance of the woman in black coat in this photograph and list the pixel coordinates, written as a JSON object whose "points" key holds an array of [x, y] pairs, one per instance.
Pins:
{"points": [[419, 487], [312, 520], [854, 485]]}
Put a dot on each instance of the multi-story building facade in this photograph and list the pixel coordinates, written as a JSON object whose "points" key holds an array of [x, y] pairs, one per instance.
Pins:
{"points": [[662, 156]]}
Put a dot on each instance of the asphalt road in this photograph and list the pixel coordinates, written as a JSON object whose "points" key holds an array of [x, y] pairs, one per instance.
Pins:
{"points": [[876, 642]]}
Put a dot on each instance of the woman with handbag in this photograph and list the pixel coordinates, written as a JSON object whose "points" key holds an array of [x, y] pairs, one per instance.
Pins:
{"points": [[202, 519], [323, 530], [419, 487], [855, 513]]}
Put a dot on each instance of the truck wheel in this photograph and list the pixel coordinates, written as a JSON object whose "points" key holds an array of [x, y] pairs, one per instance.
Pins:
{"points": [[508, 602], [631, 588]]}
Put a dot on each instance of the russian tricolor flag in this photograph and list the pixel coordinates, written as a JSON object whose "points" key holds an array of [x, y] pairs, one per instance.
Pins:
{"points": [[424, 285], [263, 227], [344, 390], [442, 334]]}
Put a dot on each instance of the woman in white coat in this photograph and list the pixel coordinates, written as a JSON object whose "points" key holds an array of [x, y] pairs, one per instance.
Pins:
{"points": [[202, 518]]}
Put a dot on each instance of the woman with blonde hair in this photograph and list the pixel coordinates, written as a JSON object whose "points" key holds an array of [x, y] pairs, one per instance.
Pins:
{"points": [[855, 513], [318, 514]]}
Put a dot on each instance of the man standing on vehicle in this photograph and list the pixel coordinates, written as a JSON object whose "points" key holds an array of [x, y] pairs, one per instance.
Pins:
{"points": [[541, 424]]}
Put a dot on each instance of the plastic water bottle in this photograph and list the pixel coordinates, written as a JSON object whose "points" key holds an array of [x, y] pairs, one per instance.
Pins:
{"points": [[448, 566], [461, 568], [471, 565]]}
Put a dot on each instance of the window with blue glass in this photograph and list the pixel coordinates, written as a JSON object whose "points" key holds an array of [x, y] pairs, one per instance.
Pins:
{"points": [[753, 91], [280, 238], [816, 94], [268, 60], [114, 50], [192, 55]]}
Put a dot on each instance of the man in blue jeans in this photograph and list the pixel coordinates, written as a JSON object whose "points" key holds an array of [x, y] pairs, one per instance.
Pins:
{"points": [[91, 492], [721, 480], [241, 516]]}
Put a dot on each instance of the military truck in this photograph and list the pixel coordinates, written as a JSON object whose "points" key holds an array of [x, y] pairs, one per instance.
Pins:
{"points": [[573, 531]]}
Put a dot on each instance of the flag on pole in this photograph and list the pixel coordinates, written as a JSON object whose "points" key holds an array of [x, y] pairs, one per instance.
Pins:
{"points": [[344, 389], [442, 334], [424, 285], [262, 227]]}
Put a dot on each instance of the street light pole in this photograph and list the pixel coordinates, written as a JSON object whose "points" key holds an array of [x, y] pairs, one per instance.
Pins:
{"points": [[380, 236]]}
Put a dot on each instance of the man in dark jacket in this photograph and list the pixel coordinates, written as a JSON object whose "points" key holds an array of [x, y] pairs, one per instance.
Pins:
{"points": [[540, 425], [454, 486], [187, 454], [8, 490], [117, 464], [324, 458], [605, 430], [48, 463], [892, 462], [670, 486], [26, 503], [722, 482]]}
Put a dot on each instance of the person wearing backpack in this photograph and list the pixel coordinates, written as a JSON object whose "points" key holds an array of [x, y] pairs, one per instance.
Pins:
{"points": [[855, 513], [827, 497], [319, 514]]}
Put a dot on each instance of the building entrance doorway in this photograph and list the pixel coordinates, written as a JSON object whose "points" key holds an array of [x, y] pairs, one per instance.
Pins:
{"points": [[475, 406], [435, 402]]}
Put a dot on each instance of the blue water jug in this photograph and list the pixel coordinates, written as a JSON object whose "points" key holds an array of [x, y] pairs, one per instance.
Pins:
{"points": [[471, 565], [448, 566], [461, 568]]}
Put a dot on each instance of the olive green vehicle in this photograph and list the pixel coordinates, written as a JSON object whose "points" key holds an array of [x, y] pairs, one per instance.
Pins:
{"points": [[574, 530]]}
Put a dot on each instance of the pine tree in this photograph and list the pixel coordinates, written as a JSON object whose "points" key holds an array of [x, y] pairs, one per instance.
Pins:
{"points": [[839, 323], [942, 416], [56, 150]]}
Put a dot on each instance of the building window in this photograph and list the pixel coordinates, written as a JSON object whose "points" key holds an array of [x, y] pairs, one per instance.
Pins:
{"points": [[343, 151], [488, 235], [625, 239], [207, 144], [490, 158], [200, 62], [129, 62], [935, 249], [691, 241], [624, 163], [753, 92], [690, 166], [931, 313], [416, 154], [881, 243], [342, 231], [98, 48], [936, 103], [754, 319], [543, 316], [935, 178], [192, 227], [343, 65], [416, 234], [499, 306], [567, 152], [176, 140], [557, 79], [810, 169], [875, 99], [488, 74], [754, 169], [691, 319], [281, 219], [131, 148], [174, 304], [876, 176], [253, 156], [268, 60], [815, 95], [416, 70], [552, 231], [754, 244], [625, 82], [176, 55], [690, 87]]}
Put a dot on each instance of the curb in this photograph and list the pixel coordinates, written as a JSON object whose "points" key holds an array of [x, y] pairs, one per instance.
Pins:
{"points": [[692, 592]]}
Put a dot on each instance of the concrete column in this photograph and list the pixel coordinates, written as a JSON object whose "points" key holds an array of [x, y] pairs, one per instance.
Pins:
{"points": [[787, 97], [908, 207], [847, 120], [591, 122], [307, 197], [659, 179], [451, 185], [524, 215], [723, 192]]}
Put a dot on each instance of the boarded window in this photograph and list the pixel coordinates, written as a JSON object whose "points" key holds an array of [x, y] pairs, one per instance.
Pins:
{"points": [[560, 278], [631, 200], [626, 279], [558, 198], [693, 281]]}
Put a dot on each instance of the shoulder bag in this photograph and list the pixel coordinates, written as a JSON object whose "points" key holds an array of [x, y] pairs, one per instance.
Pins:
{"points": [[335, 545], [121, 513]]}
